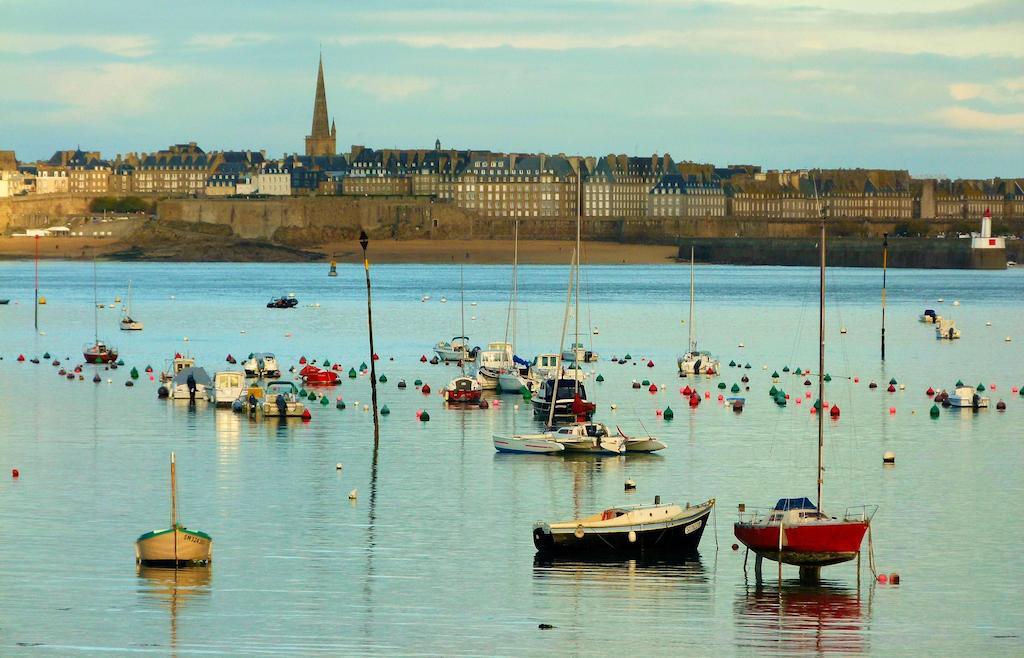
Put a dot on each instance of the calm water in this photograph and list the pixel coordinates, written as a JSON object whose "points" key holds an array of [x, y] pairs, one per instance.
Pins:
{"points": [[435, 556]]}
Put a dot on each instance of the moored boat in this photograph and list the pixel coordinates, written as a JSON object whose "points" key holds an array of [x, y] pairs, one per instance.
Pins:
{"points": [[597, 438], [930, 317], [946, 330], [569, 399], [537, 444], [99, 352], [281, 398], [694, 361], [313, 376], [669, 529], [127, 323], [181, 385], [457, 349], [491, 362], [177, 545], [965, 397], [262, 365], [288, 301], [228, 386], [463, 390]]}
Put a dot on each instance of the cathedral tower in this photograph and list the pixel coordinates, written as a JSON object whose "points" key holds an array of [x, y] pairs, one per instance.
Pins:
{"points": [[322, 138]]}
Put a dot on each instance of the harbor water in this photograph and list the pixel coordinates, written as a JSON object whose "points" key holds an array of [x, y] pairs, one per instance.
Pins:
{"points": [[435, 555]]}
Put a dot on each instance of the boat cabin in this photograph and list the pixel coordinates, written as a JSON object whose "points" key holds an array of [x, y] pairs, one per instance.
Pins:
{"points": [[567, 389]]}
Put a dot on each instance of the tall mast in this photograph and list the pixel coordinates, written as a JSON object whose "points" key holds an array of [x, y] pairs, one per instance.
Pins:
{"points": [[821, 368], [579, 255], [174, 495], [561, 345], [36, 312], [95, 302], [129, 298], [885, 258], [515, 289], [693, 343], [462, 311]]}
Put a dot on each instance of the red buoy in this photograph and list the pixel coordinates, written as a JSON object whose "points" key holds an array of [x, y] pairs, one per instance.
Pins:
{"points": [[735, 547], [21, 357], [650, 364], [14, 473], [375, 357], [882, 578], [302, 360], [694, 400], [423, 359], [687, 391], [653, 388], [306, 416], [892, 388], [426, 389], [894, 578], [834, 412], [930, 392]]}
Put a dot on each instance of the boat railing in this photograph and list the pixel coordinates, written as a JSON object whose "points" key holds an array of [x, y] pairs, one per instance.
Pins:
{"points": [[860, 513], [756, 514]]}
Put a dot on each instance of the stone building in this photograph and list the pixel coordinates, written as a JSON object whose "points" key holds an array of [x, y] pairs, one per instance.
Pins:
{"points": [[679, 196], [620, 186], [322, 139]]}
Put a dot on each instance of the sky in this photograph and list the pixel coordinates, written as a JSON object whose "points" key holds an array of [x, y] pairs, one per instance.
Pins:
{"points": [[932, 86]]}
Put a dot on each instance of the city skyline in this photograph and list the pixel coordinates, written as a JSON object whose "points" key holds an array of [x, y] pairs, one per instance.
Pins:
{"points": [[935, 88]]}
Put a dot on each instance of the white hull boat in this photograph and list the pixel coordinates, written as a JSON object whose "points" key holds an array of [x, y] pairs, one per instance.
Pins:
{"points": [[228, 386], [966, 397], [536, 444], [946, 330], [599, 439], [512, 382], [455, 350]]}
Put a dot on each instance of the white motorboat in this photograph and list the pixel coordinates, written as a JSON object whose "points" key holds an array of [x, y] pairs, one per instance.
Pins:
{"points": [[598, 438], [281, 398], [457, 349], [180, 388], [178, 363], [542, 368], [262, 365], [491, 362], [228, 386], [946, 330], [579, 354], [929, 316], [513, 381], [965, 397], [695, 362], [537, 444]]}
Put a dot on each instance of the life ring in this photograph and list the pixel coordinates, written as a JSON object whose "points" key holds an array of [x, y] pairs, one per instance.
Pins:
{"points": [[579, 532]]}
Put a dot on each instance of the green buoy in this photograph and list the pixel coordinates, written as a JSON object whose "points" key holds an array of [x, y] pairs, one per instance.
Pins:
{"points": [[892, 382], [732, 364], [303, 392], [668, 414], [627, 357], [799, 371], [828, 377], [645, 382], [135, 372], [721, 384], [817, 405], [525, 392], [324, 401], [327, 364], [363, 366], [383, 379], [384, 411], [780, 400], [424, 417], [747, 366], [418, 382], [341, 404], [934, 411], [735, 388], [959, 383], [981, 387], [312, 395], [773, 391], [600, 378], [775, 374], [785, 368], [352, 373]]}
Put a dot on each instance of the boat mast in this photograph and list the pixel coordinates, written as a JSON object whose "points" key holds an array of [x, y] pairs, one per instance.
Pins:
{"points": [[462, 311], [561, 344], [821, 367], [174, 495], [129, 298], [885, 258], [515, 291], [579, 220], [95, 304], [693, 343]]}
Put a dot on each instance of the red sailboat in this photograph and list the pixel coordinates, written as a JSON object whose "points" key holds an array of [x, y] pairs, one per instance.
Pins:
{"points": [[797, 531], [98, 352], [463, 390]]}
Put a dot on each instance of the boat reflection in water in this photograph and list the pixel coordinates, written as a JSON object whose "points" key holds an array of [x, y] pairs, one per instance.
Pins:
{"points": [[172, 589], [795, 619]]}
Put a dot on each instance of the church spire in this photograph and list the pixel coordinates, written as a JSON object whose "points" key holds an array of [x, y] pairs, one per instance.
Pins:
{"points": [[320, 126], [321, 140]]}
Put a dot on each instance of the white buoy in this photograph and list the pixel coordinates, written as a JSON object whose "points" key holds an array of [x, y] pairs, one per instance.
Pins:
{"points": [[516, 407], [988, 324], [352, 495], [741, 345], [338, 466], [842, 330], [110, 381], [889, 457], [472, 303], [940, 300], [366, 407], [472, 317], [185, 339], [630, 485], [243, 331], [903, 387], [1007, 339], [956, 302], [614, 406], [172, 296]]}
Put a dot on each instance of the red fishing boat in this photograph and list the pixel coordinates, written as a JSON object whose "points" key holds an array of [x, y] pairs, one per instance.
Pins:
{"points": [[463, 390], [313, 376], [99, 352], [797, 531]]}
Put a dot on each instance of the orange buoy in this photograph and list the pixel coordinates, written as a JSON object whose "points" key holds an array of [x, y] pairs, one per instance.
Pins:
{"points": [[657, 412], [707, 395], [856, 380]]}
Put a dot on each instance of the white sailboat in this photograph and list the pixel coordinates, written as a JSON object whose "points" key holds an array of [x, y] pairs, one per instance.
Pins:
{"points": [[127, 323], [695, 362], [511, 378]]}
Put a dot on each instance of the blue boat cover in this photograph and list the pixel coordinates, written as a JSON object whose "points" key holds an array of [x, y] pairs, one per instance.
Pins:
{"points": [[930, 312], [522, 362], [794, 503]]}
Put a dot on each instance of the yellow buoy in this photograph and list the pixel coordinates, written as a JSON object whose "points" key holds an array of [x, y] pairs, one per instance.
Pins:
{"points": [[42, 301]]}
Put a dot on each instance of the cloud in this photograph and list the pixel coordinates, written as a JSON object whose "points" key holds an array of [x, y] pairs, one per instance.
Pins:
{"points": [[1000, 92], [117, 45], [223, 41], [106, 92], [389, 87], [963, 118]]}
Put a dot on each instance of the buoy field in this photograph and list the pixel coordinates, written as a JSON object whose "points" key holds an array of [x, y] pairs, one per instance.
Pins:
{"points": [[326, 545]]}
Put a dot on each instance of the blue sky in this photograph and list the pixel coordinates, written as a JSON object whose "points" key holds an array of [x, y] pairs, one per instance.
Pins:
{"points": [[933, 86]]}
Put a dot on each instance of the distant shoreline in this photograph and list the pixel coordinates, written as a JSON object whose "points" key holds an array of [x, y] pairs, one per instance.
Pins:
{"points": [[478, 252]]}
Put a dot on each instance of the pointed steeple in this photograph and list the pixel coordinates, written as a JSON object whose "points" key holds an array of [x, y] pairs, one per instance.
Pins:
{"points": [[320, 127]]}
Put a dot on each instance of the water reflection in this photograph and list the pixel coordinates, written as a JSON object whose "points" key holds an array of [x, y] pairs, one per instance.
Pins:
{"points": [[796, 619], [172, 588]]}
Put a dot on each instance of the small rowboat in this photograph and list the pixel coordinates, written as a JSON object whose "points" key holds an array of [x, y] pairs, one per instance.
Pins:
{"points": [[636, 529], [177, 545]]}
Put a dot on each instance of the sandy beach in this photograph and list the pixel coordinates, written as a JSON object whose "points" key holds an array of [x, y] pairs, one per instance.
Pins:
{"points": [[381, 251]]}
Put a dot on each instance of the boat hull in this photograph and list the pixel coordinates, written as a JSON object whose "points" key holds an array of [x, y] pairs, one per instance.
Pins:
{"points": [[563, 410], [462, 397], [679, 536], [105, 357], [174, 546], [814, 544], [511, 382], [533, 445]]}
